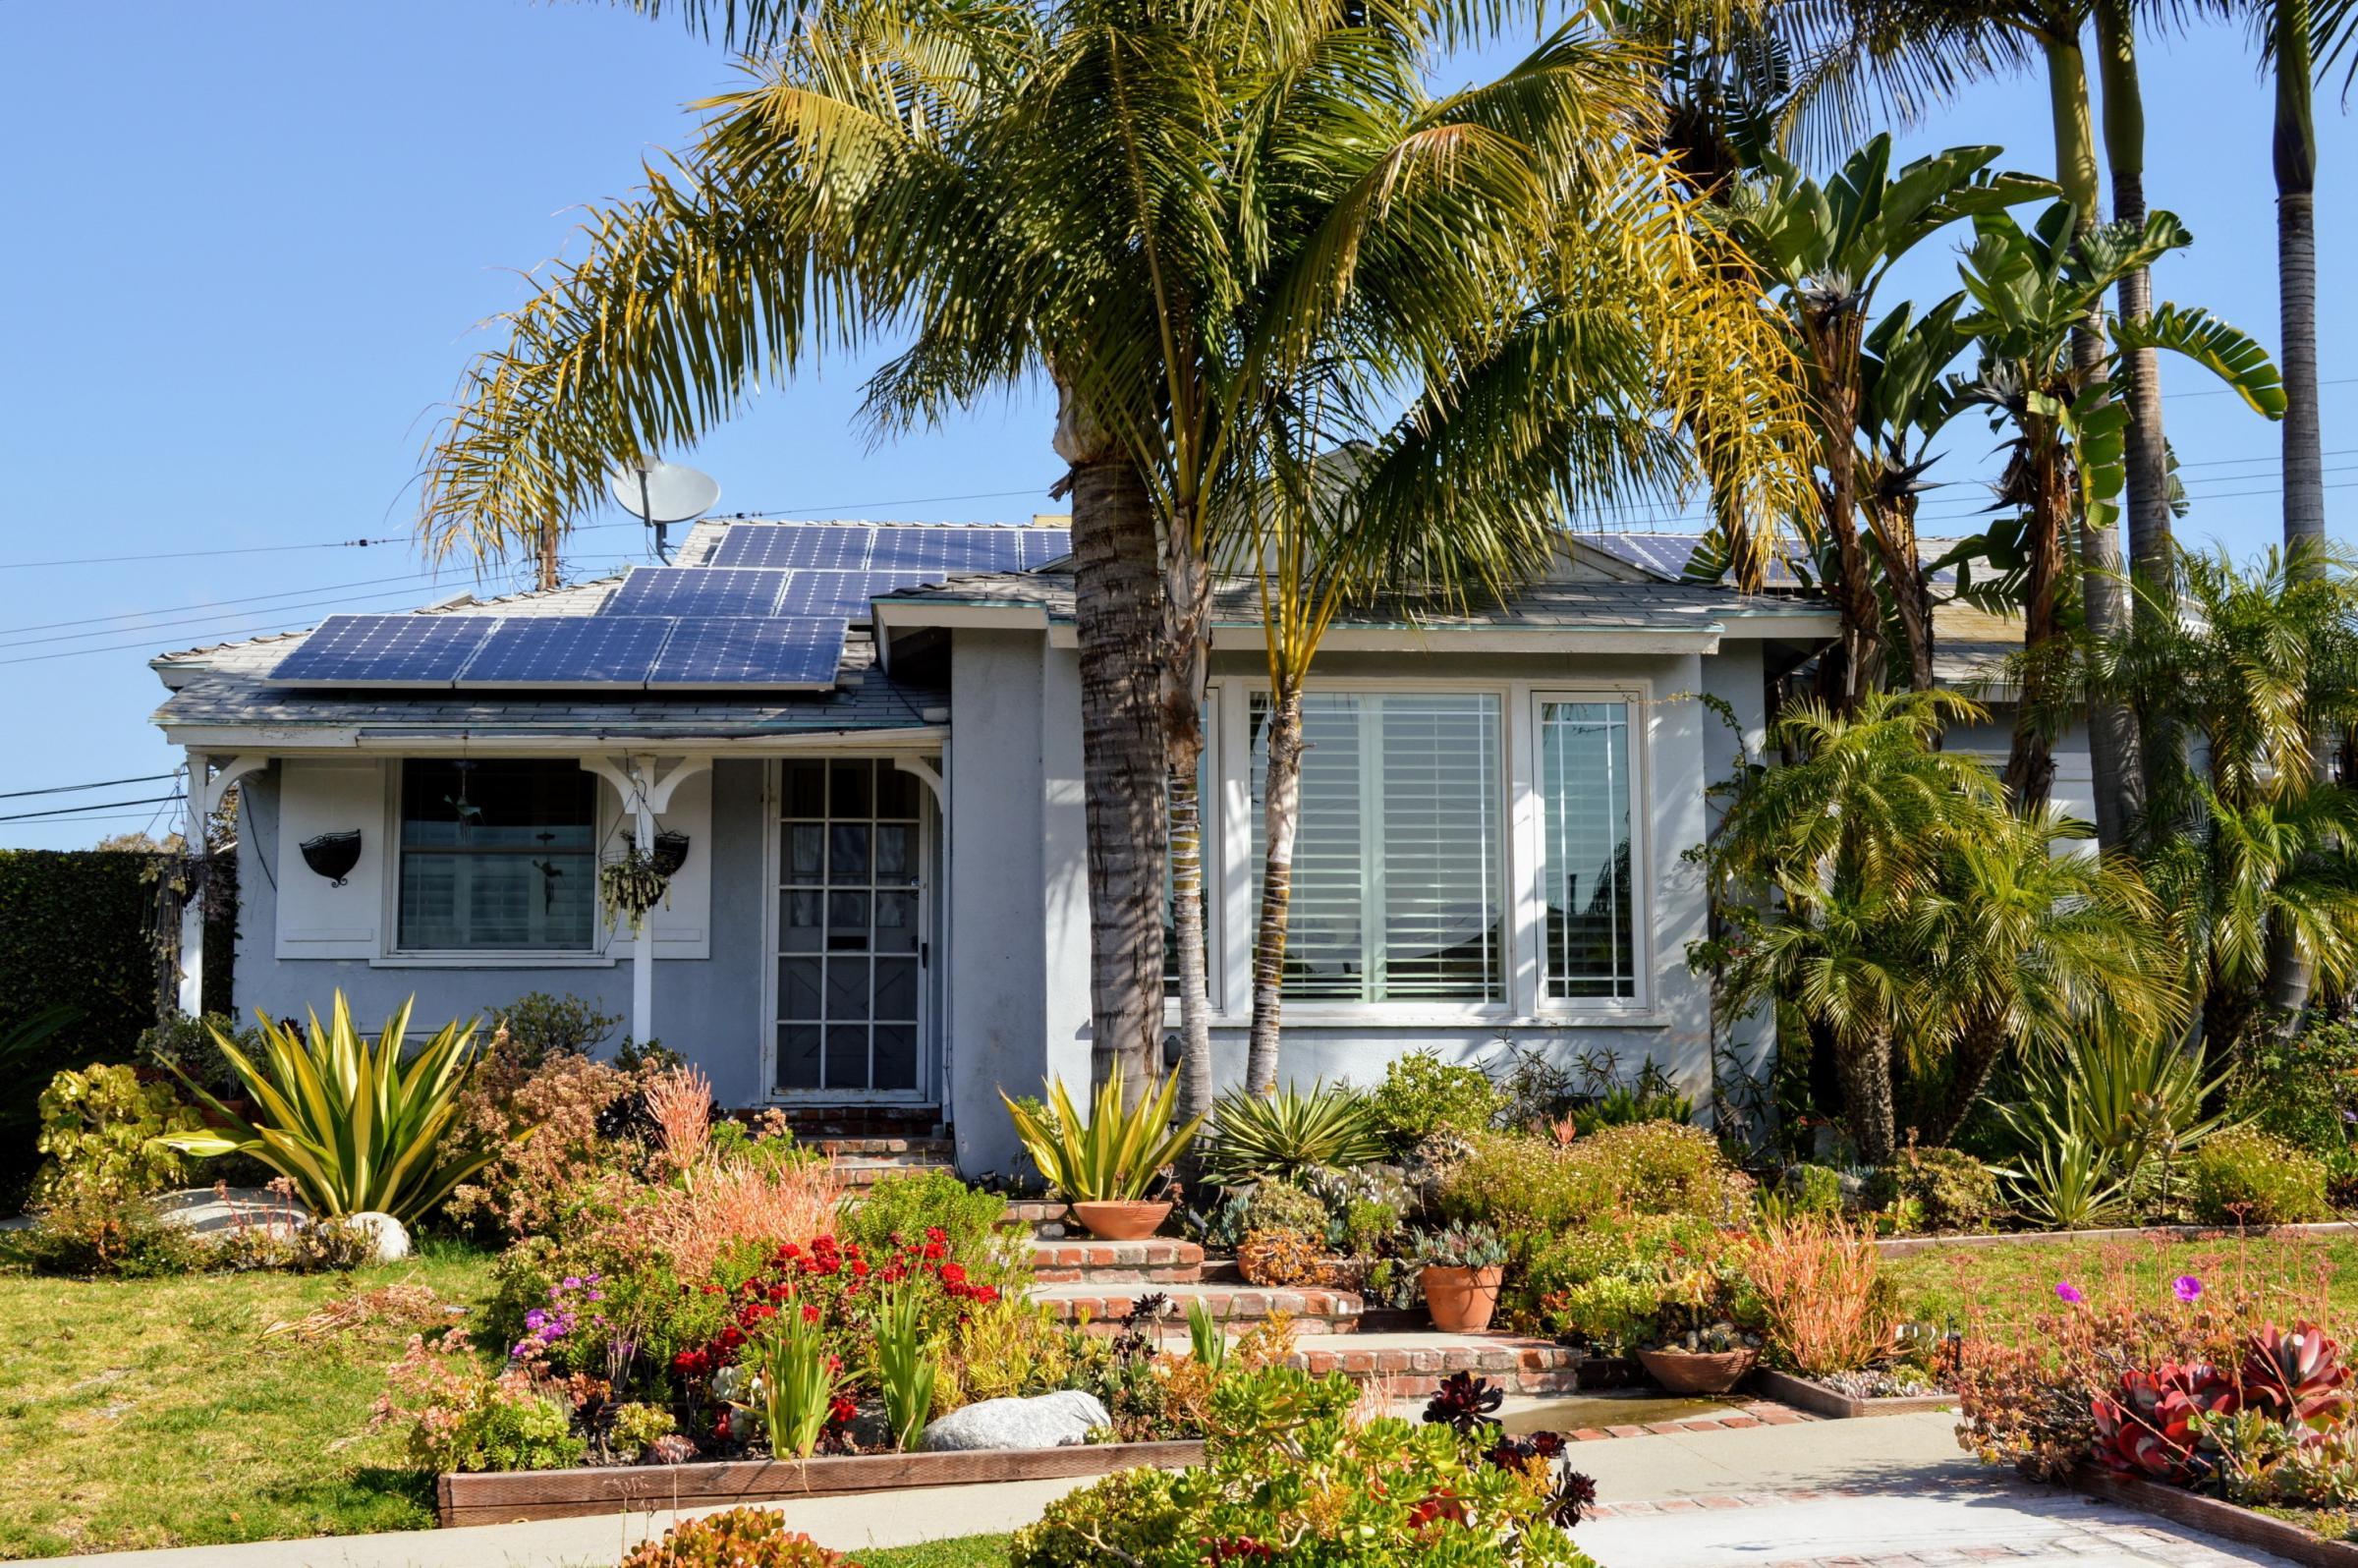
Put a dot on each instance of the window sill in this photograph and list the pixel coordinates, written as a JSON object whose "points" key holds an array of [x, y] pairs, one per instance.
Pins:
{"points": [[1385, 1018], [524, 960]]}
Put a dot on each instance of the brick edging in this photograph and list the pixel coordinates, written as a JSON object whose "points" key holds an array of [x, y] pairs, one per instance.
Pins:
{"points": [[2242, 1526]]}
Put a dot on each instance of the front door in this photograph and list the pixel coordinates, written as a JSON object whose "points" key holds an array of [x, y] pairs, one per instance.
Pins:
{"points": [[849, 1003]]}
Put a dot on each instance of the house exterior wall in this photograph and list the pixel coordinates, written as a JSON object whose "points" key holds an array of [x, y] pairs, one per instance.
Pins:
{"points": [[708, 1008]]}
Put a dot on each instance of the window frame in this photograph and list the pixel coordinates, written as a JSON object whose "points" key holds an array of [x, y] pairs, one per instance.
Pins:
{"points": [[604, 815], [1636, 697]]}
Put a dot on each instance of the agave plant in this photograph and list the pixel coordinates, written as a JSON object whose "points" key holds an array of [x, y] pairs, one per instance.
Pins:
{"points": [[1114, 1155], [1286, 1132], [2298, 1375], [2137, 1100], [2067, 1182], [353, 1127], [2153, 1424]]}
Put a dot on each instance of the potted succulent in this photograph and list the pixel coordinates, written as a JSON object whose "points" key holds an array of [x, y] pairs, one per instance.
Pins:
{"points": [[1700, 1349], [1463, 1269], [1104, 1166]]}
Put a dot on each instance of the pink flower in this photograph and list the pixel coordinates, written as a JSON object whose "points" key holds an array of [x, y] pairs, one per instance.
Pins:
{"points": [[2186, 1288], [2069, 1292]]}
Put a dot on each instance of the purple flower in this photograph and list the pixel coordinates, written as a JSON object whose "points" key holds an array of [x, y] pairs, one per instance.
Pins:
{"points": [[573, 1282], [2186, 1287], [2069, 1292]]}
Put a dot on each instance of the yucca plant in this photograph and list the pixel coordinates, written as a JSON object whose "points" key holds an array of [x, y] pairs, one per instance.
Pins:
{"points": [[355, 1129], [1286, 1132], [1113, 1155]]}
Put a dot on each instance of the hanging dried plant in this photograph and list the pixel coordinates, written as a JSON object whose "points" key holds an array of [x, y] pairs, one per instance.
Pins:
{"points": [[629, 886]]}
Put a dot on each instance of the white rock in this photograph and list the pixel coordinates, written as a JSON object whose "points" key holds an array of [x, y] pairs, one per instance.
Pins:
{"points": [[1047, 1421], [391, 1238]]}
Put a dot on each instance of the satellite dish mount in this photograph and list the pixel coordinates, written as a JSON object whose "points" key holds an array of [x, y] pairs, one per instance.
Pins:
{"points": [[660, 493]]}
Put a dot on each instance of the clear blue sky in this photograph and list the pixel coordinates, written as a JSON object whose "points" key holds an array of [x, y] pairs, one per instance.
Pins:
{"points": [[250, 244]]}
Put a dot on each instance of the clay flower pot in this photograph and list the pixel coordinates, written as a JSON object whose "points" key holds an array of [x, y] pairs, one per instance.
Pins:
{"points": [[1461, 1300], [1121, 1221], [1698, 1371]]}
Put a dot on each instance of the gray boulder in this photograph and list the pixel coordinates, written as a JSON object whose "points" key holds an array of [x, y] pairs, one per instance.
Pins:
{"points": [[1047, 1421]]}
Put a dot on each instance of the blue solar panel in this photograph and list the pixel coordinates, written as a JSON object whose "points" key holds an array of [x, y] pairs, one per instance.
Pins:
{"points": [[941, 549], [829, 546], [843, 594], [738, 650], [570, 651], [1043, 545], [385, 650], [697, 590]]}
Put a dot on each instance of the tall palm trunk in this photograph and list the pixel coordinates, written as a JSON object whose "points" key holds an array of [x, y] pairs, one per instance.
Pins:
{"points": [[2115, 757], [2030, 774], [1187, 614], [1281, 816], [1117, 614], [2147, 454], [1832, 325], [1893, 520], [2295, 159], [1865, 1069]]}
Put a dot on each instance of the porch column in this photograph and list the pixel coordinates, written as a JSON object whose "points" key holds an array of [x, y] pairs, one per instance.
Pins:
{"points": [[645, 796], [191, 997]]}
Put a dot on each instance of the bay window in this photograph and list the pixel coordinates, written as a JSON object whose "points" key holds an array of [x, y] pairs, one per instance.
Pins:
{"points": [[497, 857], [1399, 853]]}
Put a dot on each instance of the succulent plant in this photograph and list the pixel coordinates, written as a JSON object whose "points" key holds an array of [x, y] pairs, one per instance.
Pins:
{"points": [[1463, 1403], [2152, 1425], [2298, 1374]]}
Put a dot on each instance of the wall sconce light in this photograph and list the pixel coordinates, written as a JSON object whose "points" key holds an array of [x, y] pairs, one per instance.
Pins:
{"points": [[333, 854]]}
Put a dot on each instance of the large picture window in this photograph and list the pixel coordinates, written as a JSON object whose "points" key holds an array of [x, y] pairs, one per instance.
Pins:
{"points": [[1591, 937], [497, 857], [1398, 858]]}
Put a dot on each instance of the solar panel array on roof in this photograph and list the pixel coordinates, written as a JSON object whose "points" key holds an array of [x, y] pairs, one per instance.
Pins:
{"points": [[771, 608]]}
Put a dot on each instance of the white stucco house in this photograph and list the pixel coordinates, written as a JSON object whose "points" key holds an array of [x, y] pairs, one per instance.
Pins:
{"points": [[881, 895]]}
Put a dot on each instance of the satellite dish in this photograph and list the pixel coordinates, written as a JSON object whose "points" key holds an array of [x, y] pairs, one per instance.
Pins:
{"points": [[659, 494]]}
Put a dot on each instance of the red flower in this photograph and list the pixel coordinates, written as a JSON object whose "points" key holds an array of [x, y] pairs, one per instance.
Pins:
{"points": [[841, 1409], [987, 1294], [934, 1233], [936, 1250], [859, 1269], [810, 1313]]}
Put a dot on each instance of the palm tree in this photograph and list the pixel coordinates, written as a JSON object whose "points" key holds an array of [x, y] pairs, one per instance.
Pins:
{"points": [[1902, 402], [1164, 211], [2033, 293], [1825, 248], [2257, 867]]}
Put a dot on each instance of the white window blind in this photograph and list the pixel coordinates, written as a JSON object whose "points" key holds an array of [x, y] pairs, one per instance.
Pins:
{"points": [[497, 856], [1396, 877], [1585, 850]]}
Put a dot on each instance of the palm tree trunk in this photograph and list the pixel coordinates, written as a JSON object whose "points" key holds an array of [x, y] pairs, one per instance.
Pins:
{"points": [[1980, 1043], [2115, 759], [1116, 612], [1281, 816], [1185, 665], [1831, 333], [2030, 774], [1865, 1068], [2147, 452], [2295, 159], [1893, 523]]}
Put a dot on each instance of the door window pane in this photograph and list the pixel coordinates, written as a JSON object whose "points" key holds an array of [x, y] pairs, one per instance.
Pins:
{"points": [[1398, 849], [1585, 847], [497, 857]]}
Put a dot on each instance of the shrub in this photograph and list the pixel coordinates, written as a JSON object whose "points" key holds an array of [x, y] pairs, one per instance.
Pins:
{"points": [[1524, 1186], [189, 1045], [735, 1538], [562, 1101], [1625, 1107], [1283, 1206], [462, 1417], [1823, 1307], [1811, 1190], [97, 1127], [1422, 1095], [1527, 1186], [2249, 1178], [636, 1426], [540, 1027], [1663, 1168], [1282, 1257], [1951, 1189], [2303, 1091], [97, 1231], [907, 1203]]}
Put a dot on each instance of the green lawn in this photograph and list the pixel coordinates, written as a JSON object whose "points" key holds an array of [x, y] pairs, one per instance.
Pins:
{"points": [[2001, 1289], [155, 1413], [966, 1551]]}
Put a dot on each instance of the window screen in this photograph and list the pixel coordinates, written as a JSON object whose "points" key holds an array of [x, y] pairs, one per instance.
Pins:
{"points": [[1396, 874], [497, 857]]}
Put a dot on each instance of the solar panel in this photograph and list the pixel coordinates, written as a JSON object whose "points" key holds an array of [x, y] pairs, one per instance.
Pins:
{"points": [[1043, 545], [941, 549], [564, 651], [828, 546], [697, 590], [385, 650], [842, 595], [737, 650]]}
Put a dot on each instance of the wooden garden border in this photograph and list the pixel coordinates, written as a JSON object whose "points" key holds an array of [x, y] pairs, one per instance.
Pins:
{"points": [[1819, 1400], [500, 1496], [2224, 1520]]}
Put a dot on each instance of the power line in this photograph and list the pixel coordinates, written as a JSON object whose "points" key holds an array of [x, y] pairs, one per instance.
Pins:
{"points": [[201, 620], [183, 555], [108, 805], [215, 604], [102, 784]]}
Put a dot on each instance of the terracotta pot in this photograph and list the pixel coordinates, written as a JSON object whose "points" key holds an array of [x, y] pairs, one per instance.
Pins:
{"points": [[1461, 1300], [1698, 1371], [1121, 1221]]}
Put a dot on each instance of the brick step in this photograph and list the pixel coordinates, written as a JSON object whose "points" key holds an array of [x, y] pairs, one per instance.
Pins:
{"points": [[1237, 1306], [862, 1170], [1158, 1261], [1411, 1365], [931, 1151]]}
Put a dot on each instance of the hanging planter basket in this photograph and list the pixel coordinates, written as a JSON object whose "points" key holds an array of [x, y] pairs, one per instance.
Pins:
{"points": [[333, 854], [634, 882]]}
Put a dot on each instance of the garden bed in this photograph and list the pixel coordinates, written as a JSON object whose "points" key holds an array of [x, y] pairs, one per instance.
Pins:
{"points": [[2285, 1538], [1819, 1400], [502, 1496]]}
